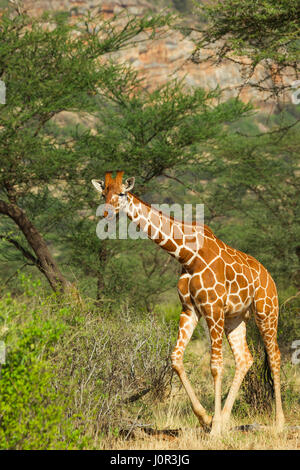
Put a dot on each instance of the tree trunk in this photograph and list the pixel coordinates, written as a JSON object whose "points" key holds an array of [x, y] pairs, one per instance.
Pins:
{"points": [[44, 259]]}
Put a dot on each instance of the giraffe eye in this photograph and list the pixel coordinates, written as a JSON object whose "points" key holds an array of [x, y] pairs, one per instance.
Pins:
{"points": [[122, 194]]}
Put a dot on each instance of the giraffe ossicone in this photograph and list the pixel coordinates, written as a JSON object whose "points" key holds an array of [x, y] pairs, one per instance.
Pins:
{"points": [[218, 282]]}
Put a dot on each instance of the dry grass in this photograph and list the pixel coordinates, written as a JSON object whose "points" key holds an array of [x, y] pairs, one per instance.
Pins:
{"points": [[175, 413], [192, 439]]}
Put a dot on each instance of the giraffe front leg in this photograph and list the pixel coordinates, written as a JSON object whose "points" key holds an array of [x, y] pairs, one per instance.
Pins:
{"points": [[215, 324], [187, 324]]}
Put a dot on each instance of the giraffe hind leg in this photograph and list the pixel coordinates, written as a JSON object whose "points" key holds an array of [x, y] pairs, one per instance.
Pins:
{"points": [[235, 330], [266, 318]]}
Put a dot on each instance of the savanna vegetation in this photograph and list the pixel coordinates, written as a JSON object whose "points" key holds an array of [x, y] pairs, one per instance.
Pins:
{"points": [[88, 325]]}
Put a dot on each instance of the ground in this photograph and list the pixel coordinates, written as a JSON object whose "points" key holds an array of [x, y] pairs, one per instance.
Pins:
{"points": [[174, 413]]}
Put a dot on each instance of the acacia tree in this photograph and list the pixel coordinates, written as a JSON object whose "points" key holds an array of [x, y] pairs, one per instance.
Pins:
{"points": [[50, 66], [146, 134], [266, 32]]}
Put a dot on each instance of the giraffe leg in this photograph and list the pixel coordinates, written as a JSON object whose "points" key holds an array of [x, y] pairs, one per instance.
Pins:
{"points": [[266, 320], [216, 329], [235, 330], [187, 324]]}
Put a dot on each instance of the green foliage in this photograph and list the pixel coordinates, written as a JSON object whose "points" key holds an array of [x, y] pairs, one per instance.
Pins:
{"points": [[70, 374], [32, 411], [258, 29], [150, 132], [266, 32], [289, 319], [51, 66]]}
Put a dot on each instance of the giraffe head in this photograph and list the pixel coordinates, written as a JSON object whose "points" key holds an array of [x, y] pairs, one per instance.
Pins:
{"points": [[114, 191]]}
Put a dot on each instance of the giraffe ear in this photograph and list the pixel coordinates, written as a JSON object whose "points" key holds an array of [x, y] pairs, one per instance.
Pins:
{"points": [[129, 183], [99, 185]]}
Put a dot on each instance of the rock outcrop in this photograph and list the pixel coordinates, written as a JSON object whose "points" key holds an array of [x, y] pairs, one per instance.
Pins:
{"points": [[168, 57]]}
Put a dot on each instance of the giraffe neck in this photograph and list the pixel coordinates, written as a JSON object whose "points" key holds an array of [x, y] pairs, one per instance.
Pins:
{"points": [[180, 240]]}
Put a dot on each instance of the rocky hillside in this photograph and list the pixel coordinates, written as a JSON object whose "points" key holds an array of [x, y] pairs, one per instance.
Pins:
{"points": [[163, 59]]}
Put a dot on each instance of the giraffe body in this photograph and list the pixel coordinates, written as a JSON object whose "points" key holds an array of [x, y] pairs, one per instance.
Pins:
{"points": [[218, 282]]}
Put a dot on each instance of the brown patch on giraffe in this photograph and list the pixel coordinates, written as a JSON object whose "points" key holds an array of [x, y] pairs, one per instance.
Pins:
{"points": [[227, 257], [202, 297], [217, 267], [166, 227], [144, 211], [269, 302], [263, 278], [237, 268], [195, 284], [212, 248], [234, 299], [251, 290], [260, 304], [190, 242], [170, 246], [220, 289], [159, 237], [185, 255], [234, 288], [197, 265], [179, 241], [150, 231], [230, 274], [183, 285], [211, 295], [208, 278], [241, 280], [244, 294]]}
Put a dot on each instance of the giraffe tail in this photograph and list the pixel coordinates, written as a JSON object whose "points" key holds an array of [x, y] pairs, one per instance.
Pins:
{"points": [[267, 375]]}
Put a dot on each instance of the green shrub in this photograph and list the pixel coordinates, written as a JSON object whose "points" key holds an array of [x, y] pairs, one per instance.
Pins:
{"points": [[32, 411], [72, 376]]}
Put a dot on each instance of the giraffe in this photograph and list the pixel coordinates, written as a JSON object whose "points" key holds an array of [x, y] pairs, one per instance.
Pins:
{"points": [[219, 283]]}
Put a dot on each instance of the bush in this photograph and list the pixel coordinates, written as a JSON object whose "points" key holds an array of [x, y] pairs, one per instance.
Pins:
{"points": [[32, 411], [72, 375], [257, 392], [108, 364], [256, 389]]}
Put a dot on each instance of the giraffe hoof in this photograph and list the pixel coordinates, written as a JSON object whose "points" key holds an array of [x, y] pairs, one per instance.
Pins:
{"points": [[216, 431], [216, 428], [279, 428], [206, 425]]}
